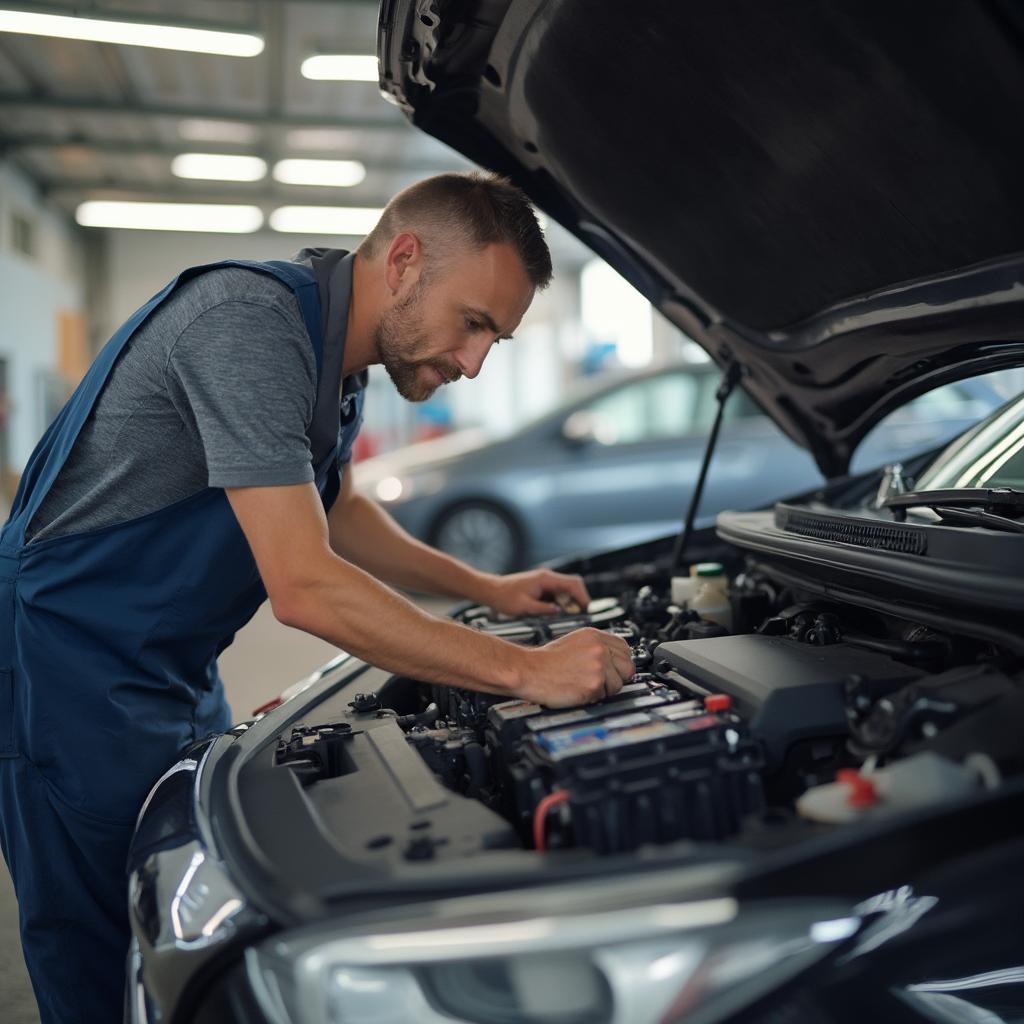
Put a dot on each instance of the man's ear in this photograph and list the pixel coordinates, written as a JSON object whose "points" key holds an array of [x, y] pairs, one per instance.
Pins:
{"points": [[403, 262]]}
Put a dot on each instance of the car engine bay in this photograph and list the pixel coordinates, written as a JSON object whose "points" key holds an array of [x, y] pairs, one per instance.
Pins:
{"points": [[800, 716]]}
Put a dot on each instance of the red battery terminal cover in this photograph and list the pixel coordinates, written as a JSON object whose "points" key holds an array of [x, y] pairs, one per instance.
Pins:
{"points": [[717, 702], [862, 790]]}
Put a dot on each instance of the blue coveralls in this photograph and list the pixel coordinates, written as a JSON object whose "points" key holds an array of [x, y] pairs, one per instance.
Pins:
{"points": [[108, 648]]}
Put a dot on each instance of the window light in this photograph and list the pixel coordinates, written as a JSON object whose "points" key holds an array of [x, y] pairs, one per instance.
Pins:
{"points": [[331, 173], [132, 33], [353, 221], [333, 139], [219, 167], [209, 217], [200, 129], [341, 67]]}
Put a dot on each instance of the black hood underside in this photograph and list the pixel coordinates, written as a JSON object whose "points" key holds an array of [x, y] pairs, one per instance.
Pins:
{"points": [[827, 191]]}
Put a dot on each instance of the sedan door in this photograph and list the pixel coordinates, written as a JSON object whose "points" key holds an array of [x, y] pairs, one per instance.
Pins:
{"points": [[632, 450], [638, 453]]}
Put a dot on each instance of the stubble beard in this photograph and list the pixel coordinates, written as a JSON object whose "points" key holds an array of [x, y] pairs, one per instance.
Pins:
{"points": [[400, 339]]}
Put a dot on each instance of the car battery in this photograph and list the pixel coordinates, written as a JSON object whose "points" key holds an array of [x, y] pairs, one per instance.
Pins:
{"points": [[664, 773], [508, 722]]}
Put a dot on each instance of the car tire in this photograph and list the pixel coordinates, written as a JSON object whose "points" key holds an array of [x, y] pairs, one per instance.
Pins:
{"points": [[481, 534]]}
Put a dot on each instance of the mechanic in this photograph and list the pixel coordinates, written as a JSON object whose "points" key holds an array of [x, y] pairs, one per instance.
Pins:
{"points": [[200, 468]]}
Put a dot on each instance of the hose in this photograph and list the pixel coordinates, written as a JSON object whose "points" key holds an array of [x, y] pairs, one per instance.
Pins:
{"points": [[912, 650], [427, 718], [559, 796]]}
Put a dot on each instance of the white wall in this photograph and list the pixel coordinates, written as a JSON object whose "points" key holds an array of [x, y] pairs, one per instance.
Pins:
{"points": [[140, 263], [32, 293]]}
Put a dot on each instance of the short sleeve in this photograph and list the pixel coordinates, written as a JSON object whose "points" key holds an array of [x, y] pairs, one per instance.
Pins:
{"points": [[246, 374]]}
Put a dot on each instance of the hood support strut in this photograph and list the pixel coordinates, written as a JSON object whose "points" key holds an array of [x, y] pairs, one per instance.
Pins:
{"points": [[730, 378]]}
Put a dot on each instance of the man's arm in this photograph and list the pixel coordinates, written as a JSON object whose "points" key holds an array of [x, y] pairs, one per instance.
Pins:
{"points": [[312, 588], [363, 533]]}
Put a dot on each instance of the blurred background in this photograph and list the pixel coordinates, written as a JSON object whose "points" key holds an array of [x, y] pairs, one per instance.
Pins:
{"points": [[122, 164]]}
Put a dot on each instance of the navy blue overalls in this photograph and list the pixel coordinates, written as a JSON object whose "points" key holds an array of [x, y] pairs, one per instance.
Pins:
{"points": [[108, 669]]}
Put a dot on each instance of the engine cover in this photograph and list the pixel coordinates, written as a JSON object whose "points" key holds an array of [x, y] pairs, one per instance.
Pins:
{"points": [[784, 689]]}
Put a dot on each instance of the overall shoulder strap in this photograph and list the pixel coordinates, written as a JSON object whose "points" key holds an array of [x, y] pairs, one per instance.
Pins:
{"points": [[53, 449], [302, 281]]}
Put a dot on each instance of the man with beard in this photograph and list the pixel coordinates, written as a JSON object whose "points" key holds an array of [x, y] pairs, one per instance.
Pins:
{"points": [[202, 466]]}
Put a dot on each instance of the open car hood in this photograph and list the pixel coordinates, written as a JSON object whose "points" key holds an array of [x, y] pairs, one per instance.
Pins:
{"points": [[827, 192]]}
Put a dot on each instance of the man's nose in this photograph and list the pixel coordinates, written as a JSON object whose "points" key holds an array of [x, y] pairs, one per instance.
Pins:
{"points": [[471, 356]]}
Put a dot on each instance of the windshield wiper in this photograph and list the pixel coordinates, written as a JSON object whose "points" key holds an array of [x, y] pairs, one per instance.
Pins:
{"points": [[976, 517], [1004, 500], [997, 508]]}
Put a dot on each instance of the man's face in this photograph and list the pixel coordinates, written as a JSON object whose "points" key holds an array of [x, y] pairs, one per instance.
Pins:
{"points": [[443, 328]]}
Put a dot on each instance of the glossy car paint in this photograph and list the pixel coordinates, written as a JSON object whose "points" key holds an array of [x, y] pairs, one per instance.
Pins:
{"points": [[911, 921]]}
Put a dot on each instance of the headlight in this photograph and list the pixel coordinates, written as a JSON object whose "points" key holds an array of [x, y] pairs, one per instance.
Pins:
{"points": [[390, 489], [699, 962]]}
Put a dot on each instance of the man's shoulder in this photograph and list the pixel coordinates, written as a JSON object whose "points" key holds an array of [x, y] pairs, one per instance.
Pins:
{"points": [[223, 310], [223, 284]]}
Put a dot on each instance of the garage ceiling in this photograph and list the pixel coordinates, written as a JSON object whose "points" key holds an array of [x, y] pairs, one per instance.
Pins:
{"points": [[99, 121]]}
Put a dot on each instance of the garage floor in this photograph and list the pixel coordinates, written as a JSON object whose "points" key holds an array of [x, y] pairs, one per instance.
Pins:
{"points": [[265, 658]]}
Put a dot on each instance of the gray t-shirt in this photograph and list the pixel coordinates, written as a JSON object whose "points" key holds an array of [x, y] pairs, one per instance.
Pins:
{"points": [[216, 389]]}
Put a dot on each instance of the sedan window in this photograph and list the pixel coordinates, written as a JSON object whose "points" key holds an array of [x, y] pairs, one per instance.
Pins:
{"points": [[657, 408]]}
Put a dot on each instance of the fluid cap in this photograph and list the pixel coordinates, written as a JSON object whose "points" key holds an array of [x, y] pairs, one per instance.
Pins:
{"points": [[862, 790], [710, 569], [717, 702]]}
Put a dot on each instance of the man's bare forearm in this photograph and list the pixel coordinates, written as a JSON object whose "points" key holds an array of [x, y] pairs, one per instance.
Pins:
{"points": [[347, 607], [364, 534], [312, 588]]}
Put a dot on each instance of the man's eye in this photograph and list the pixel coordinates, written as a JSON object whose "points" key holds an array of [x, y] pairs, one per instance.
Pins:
{"points": [[472, 325]]}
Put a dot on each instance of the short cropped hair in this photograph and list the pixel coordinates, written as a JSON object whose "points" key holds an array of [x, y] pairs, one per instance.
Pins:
{"points": [[458, 212]]}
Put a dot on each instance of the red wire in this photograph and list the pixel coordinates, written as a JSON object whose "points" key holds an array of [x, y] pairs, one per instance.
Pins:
{"points": [[560, 796]]}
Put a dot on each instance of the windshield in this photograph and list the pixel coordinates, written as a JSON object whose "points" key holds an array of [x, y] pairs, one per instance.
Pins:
{"points": [[988, 455]]}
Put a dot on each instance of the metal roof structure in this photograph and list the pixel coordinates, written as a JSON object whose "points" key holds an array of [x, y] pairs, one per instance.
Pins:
{"points": [[89, 120]]}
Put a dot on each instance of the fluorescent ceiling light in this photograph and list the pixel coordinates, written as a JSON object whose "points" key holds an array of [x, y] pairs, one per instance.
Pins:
{"points": [[132, 33], [325, 220], [197, 129], [219, 167], [332, 173], [321, 138], [231, 220], [341, 67]]}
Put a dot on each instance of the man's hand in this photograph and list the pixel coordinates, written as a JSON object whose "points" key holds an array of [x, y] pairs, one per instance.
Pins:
{"points": [[579, 668], [536, 592]]}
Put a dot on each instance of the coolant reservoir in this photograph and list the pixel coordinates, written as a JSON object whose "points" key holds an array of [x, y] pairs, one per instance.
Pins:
{"points": [[913, 782], [712, 600], [684, 588]]}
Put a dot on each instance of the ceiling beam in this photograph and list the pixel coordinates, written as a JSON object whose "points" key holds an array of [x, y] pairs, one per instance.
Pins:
{"points": [[33, 77], [184, 190], [114, 108], [19, 143]]}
